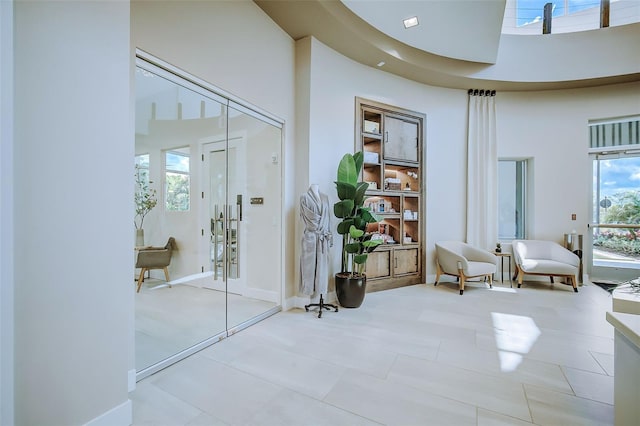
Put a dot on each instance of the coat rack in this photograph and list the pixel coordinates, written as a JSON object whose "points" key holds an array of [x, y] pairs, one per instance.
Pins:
{"points": [[321, 306]]}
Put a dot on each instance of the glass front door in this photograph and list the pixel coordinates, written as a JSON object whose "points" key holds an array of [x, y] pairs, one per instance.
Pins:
{"points": [[224, 201], [254, 205], [616, 217], [212, 168]]}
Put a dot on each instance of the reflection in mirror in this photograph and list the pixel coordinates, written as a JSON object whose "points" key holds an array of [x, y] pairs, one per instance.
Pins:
{"points": [[203, 161]]}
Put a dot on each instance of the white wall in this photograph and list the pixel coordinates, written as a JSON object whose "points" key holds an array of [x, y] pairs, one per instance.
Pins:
{"points": [[335, 82], [236, 47], [6, 214], [566, 57], [548, 126], [73, 203]]}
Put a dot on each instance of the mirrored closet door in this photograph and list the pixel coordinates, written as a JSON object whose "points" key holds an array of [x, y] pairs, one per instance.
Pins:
{"points": [[207, 174]]}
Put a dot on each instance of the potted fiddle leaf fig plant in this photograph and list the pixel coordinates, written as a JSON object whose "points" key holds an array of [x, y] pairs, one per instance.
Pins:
{"points": [[356, 241]]}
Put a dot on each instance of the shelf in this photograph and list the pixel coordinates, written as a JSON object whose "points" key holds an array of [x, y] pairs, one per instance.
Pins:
{"points": [[397, 178], [366, 136], [384, 204], [371, 123], [402, 164], [392, 140]]}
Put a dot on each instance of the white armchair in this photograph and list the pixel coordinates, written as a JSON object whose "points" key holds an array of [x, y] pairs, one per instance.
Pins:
{"points": [[537, 257], [464, 261]]}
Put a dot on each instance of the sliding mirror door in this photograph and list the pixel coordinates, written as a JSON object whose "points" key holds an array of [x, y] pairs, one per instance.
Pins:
{"points": [[200, 166], [254, 211]]}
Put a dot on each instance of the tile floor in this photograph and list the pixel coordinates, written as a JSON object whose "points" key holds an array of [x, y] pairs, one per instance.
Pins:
{"points": [[419, 355], [163, 329]]}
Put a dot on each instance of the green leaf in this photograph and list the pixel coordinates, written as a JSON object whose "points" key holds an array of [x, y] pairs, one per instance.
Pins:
{"points": [[346, 191], [358, 159], [347, 171], [360, 189], [352, 248], [360, 258], [368, 216], [355, 232], [371, 245], [343, 209], [359, 223], [344, 226]]}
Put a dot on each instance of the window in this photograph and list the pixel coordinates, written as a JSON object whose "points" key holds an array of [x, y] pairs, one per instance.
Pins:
{"points": [[142, 170], [177, 180], [530, 11], [512, 184]]}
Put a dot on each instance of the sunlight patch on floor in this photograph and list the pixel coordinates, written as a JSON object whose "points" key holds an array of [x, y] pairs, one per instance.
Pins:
{"points": [[503, 289], [515, 335]]}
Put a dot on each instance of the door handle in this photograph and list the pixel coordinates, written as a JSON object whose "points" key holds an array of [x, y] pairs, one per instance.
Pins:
{"points": [[233, 244]]}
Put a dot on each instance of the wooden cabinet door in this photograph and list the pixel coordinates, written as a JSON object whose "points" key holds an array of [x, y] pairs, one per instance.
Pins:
{"points": [[400, 139], [379, 264], [406, 261]]}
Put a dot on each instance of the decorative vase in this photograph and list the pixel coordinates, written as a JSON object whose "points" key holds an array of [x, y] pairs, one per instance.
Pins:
{"points": [[350, 291], [139, 237]]}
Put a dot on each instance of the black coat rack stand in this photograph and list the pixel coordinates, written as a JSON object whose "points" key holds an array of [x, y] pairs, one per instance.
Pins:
{"points": [[321, 306]]}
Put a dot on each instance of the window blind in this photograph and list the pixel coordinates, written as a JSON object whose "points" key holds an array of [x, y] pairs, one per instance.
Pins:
{"points": [[614, 134]]}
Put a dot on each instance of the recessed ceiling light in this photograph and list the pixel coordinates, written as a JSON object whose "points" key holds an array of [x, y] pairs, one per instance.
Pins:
{"points": [[411, 22], [381, 63]]}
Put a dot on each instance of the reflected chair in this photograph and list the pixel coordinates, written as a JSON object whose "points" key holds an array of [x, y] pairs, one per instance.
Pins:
{"points": [[155, 258], [539, 257], [464, 261]]}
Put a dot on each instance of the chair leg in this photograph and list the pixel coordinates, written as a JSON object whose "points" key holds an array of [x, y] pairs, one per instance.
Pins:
{"points": [[574, 281], [461, 281], [490, 280], [551, 278], [520, 276], [438, 273], [166, 275], [141, 279]]}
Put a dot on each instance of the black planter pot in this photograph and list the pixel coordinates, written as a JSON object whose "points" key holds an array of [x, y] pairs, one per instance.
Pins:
{"points": [[350, 291]]}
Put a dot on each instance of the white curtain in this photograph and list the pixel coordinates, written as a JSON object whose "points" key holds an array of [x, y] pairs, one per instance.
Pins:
{"points": [[482, 170]]}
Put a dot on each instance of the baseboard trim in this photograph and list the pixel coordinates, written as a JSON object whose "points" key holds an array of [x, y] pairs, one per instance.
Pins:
{"points": [[122, 415], [260, 294]]}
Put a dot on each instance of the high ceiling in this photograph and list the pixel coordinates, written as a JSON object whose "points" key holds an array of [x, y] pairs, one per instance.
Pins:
{"points": [[459, 43], [480, 21]]}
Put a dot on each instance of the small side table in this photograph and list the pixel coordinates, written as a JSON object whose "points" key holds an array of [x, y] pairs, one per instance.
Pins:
{"points": [[502, 255]]}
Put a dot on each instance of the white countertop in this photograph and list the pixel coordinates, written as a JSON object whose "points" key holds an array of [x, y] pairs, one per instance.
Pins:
{"points": [[627, 324], [626, 300]]}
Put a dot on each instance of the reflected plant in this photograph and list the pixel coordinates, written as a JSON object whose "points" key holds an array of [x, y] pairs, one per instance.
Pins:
{"points": [[145, 198]]}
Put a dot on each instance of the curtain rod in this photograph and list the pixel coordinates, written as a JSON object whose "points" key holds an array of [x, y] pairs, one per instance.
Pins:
{"points": [[481, 92]]}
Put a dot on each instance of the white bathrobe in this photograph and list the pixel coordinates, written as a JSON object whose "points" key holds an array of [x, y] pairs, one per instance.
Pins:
{"points": [[314, 260]]}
